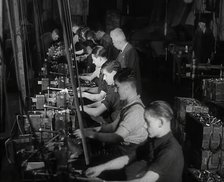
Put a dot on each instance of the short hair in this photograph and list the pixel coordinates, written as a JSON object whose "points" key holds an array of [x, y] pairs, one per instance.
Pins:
{"points": [[90, 35], [77, 23], [89, 43], [118, 35], [126, 75], [160, 109], [99, 51], [57, 31], [81, 33], [111, 66]]}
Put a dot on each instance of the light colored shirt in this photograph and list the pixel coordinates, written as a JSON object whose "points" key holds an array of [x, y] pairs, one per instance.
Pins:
{"points": [[132, 127]]}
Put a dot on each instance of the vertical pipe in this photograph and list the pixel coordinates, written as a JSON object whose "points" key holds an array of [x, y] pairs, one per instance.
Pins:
{"points": [[19, 50], [1, 68], [2, 74], [13, 46], [1, 19], [74, 88], [37, 32]]}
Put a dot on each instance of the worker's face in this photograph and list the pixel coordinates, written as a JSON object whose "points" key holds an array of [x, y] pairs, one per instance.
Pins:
{"points": [[55, 36], [154, 124], [75, 39], [97, 61], [122, 88], [75, 28], [108, 77], [116, 42], [202, 25], [89, 50], [98, 35]]}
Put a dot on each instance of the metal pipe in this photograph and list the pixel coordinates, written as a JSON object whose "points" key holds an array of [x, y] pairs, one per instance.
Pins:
{"points": [[74, 88]]}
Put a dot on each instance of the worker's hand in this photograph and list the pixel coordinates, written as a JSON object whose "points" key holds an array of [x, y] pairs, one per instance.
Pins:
{"points": [[83, 77], [83, 94], [77, 133], [82, 108], [94, 171], [89, 49], [82, 89], [141, 174], [75, 40], [78, 94], [88, 132]]}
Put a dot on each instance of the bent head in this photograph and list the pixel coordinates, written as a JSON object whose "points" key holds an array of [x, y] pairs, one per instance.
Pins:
{"points": [[109, 69], [55, 34], [118, 38], [99, 34], [99, 56], [125, 81], [158, 116]]}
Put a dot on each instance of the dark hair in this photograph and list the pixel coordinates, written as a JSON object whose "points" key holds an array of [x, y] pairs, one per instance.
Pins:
{"points": [[57, 31], [99, 51], [89, 43], [77, 23], [99, 27], [160, 109], [81, 33], [126, 75], [90, 35], [111, 66]]}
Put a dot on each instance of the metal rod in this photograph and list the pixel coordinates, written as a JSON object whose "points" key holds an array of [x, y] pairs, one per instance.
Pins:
{"points": [[13, 47], [74, 88]]}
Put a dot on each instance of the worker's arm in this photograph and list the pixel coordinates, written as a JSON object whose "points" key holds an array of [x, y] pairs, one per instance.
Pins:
{"points": [[88, 89], [149, 176], [117, 163], [99, 132], [96, 111], [95, 104], [105, 137], [94, 97], [93, 90], [88, 77], [108, 128]]}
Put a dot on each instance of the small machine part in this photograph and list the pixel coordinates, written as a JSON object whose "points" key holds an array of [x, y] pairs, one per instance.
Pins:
{"points": [[213, 89], [206, 175], [40, 101], [61, 119], [44, 84]]}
